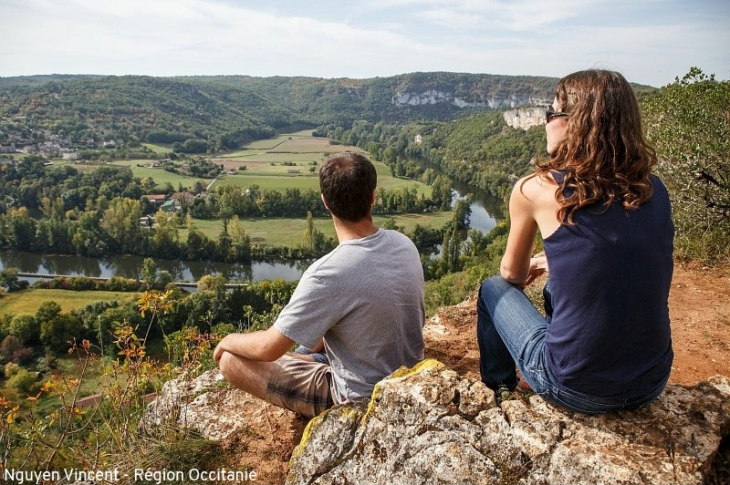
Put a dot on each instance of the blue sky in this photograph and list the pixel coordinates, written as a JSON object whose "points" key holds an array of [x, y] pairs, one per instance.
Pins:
{"points": [[650, 42]]}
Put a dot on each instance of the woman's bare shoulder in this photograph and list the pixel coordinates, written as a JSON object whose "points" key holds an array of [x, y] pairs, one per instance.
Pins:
{"points": [[537, 186]]}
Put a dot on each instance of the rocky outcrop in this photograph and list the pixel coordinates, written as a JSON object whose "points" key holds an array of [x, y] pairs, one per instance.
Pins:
{"points": [[429, 425], [253, 434], [525, 118], [491, 100]]}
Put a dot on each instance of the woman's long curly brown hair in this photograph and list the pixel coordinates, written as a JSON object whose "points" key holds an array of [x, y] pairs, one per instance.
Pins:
{"points": [[604, 155]]}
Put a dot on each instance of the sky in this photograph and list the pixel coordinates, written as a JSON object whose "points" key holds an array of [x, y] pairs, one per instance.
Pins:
{"points": [[649, 41]]}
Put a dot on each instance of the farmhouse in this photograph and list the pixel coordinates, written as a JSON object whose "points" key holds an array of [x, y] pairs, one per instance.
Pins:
{"points": [[157, 199], [170, 206], [180, 196]]}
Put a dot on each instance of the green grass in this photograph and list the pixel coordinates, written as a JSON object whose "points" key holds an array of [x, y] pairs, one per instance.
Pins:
{"points": [[268, 143], [159, 147], [270, 177], [80, 166], [284, 157], [242, 153], [14, 156], [302, 133], [263, 168], [289, 231], [28, 301], [161, 177], [273, 182]]}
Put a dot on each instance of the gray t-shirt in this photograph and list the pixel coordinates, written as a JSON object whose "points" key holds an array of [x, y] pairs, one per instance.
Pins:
{"points": [[366, 299]]}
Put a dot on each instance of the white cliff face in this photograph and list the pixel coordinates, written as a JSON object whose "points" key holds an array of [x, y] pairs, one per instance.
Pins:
{"points": [[525, 118], [432, 96]]}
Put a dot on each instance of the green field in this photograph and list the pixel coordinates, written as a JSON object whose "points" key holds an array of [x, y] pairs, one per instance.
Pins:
{"points": [[80, 166], [302, 149], [159, 148], [289, 232], [14, 156], [161, 177], [276, 177], [28, 301]]}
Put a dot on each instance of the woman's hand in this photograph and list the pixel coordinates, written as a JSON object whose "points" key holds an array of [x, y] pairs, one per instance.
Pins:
{"points": [[538, 266]]}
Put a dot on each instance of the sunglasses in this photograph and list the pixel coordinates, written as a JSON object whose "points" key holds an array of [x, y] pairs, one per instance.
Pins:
{"points": [[550, 114]]}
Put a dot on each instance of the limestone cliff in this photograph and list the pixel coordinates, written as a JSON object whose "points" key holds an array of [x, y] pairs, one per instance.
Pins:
{"points": [[491, 100], [525, 118]]}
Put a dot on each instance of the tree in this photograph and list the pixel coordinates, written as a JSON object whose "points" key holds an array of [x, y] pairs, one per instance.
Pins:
{"points": [[47, 311], [166, 239], [241, 241], [25, 327], [149, 272], [9, 279], [314, 239], [58, 332], [120, 222], [688, 123], [225, 243], [9, 346]]}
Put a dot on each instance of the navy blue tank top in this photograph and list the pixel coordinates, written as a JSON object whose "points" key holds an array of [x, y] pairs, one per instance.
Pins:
{"points": [[610, 276]]}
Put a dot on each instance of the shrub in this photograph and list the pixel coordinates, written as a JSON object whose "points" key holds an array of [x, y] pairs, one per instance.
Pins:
{"points": [[25, 327], [58, 332], [47, 311], [222, 329], [9, 346], [22, 356], [11, 368], [688, 123], [82, 283], [22, 381]]}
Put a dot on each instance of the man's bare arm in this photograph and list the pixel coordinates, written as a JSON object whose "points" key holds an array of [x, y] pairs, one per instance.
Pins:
{"points": [[263, 346]]}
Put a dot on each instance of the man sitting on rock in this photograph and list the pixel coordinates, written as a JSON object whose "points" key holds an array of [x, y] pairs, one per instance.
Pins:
{"points": [[362, 303]]}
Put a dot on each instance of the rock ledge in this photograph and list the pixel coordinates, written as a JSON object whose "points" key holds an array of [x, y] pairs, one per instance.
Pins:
{"points": [[429, 425]]}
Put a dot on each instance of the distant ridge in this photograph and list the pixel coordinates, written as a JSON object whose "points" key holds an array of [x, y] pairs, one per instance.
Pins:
{"points": [[240, 108]]}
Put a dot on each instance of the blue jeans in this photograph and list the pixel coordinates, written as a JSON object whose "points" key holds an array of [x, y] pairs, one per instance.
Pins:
{"points": [[510, 329], [319, 357]]}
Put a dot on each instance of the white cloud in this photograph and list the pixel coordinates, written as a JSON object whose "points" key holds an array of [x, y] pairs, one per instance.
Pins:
{"points": [[182, 37], [450, 18]]}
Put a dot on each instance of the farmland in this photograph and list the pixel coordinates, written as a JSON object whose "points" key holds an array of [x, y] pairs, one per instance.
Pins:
{"points": [[28, 301], [142, 169], [289, 232], [286, 162]]}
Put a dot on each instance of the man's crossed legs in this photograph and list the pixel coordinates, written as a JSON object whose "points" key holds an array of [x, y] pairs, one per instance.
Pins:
{"points": [[299, 385]]}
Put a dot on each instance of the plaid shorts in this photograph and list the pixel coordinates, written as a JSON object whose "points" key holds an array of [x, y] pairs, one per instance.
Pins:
{"points": [[300, 386]]}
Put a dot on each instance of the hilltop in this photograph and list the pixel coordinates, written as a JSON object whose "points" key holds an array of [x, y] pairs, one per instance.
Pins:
{"points": [[228, 111], [263, 437]]}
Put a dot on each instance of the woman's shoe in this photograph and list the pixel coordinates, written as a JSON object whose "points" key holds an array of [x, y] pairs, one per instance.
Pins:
{"points": [[522, 385]]}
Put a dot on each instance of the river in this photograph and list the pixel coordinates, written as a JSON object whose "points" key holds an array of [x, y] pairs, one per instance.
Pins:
{"points": [[486, 211], [130, 266]]}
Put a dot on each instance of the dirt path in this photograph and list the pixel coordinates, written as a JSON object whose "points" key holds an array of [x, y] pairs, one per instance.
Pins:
{"points": [[699, 307]]}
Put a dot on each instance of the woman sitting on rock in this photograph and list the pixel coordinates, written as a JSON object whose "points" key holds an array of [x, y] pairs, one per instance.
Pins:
{"points": [[606, 225]]}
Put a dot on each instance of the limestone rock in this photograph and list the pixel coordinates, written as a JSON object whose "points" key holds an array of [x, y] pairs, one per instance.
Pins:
{"points": [[429, 425], [525, 118], [206, 404]]}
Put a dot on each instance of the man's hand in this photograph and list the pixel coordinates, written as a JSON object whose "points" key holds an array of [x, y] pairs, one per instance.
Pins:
{"points": [[221, 347], [538, 266], [263, 346]]}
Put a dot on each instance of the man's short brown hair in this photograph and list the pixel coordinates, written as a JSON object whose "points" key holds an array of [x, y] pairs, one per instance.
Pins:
{"points": [[347, 181]]}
